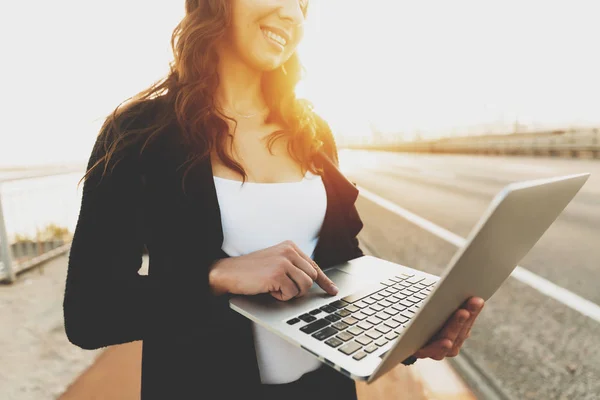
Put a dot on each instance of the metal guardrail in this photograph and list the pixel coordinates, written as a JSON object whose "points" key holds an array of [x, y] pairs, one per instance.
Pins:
{"points": [[37, 219], [571, 143]]}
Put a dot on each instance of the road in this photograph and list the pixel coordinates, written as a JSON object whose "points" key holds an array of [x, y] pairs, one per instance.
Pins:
{"points": [[530, 345]]}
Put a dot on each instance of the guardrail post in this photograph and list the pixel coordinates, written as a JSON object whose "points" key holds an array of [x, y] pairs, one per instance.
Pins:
{"points": [[5, 251]]}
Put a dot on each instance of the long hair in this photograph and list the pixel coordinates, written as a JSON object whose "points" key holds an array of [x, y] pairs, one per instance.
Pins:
{"points": [[190, 87]]}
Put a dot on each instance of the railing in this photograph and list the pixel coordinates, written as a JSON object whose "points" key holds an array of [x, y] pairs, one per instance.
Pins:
{"points": [[37, 219], [570, 143]]}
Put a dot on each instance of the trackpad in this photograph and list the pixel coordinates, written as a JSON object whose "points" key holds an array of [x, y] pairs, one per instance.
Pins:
{"points": [[343, 280]]}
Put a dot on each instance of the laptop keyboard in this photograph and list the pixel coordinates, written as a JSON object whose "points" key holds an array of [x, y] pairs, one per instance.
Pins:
{"points": [[362, 322]]}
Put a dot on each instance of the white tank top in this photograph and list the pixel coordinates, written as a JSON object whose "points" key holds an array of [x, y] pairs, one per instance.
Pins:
{"points": [[260, 215]]}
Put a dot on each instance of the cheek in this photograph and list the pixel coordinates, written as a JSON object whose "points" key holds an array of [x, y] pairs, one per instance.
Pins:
{"points": [[299, 36], [291, 48]]}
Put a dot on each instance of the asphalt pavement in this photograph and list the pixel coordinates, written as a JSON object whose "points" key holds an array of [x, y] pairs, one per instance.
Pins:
{"points": [[526, 344]]}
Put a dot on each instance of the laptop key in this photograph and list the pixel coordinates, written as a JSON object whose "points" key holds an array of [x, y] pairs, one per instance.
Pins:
{"points": [[332, 318], [415, 279], [388, 282], [355, 330], [371, 348], [315, 312], [405, 303], [325, 333], [364, 340], [365, 325], [401, 319], [391, 336], [428, 282], [368, 311], [381, 342], [340, 326], [376, 307], [307, 318], [414, 309], [383, 316], [345, 336], [377, 297], [293, 321], [420, 296], [373, 334], [412, 289], [343, 313], [392, 290], [373, 320], [359, 356], [329, 309], [391, 311], [350, 348], [354, 297], [361, 304], [334, 342], [414, 299], [407, 314], [339, 304], [369, 300], [399, 307], [359, 316], [350, 321], [315, 326], [392, 323], [395, 279], [385, 303], [406, 275], [352, 308], [383, 328]]}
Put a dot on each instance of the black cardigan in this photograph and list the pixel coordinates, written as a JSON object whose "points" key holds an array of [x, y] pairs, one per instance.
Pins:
{"points": [[194, 345]]}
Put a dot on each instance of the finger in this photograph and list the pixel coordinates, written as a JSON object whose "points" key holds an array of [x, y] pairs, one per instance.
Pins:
{"points": [[307, 267], [287, 289], [454, 325], [302, 281], [474, 305], [325, 283], [445, 339], [436, 350], [321, 279]]}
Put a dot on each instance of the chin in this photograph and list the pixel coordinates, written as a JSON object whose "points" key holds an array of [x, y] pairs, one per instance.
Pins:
{"points": [[266, 65]]}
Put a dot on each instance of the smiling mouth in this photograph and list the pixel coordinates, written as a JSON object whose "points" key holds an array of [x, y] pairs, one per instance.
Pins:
{"points": [[274, 38]]}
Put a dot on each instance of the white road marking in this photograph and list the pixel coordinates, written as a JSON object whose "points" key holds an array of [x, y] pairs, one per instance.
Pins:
{"points": [[523, 275]]}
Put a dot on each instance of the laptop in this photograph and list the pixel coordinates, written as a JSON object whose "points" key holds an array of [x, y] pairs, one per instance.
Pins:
{"points": [[384, 312]]}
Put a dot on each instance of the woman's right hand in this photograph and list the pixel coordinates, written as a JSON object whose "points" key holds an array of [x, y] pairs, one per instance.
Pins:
{"points": [[282, 270]]}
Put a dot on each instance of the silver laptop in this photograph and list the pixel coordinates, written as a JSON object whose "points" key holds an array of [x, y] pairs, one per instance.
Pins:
{"points": [[384, 311]]}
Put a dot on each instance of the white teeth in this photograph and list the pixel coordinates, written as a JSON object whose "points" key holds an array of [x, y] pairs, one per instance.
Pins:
{"points": [[275, 37]]}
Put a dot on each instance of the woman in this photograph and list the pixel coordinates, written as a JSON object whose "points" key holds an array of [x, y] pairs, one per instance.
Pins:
{"points": [[231, 185]]}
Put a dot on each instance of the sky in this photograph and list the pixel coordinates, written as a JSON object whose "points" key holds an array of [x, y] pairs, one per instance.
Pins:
{"points": [[428, 67]]}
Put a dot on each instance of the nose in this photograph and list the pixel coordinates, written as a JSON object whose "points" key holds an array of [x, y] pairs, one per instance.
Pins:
{"points": [[291, 11]]}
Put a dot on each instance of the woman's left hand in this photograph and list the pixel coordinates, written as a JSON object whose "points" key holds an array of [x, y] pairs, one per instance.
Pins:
{"points": [[450, 338]]}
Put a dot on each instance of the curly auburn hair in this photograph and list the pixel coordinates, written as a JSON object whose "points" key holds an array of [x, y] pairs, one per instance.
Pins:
{"points": [[190, 87]]}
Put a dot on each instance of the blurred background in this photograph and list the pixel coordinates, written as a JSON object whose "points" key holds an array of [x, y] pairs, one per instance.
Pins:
{"points": [[435, 106]]}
